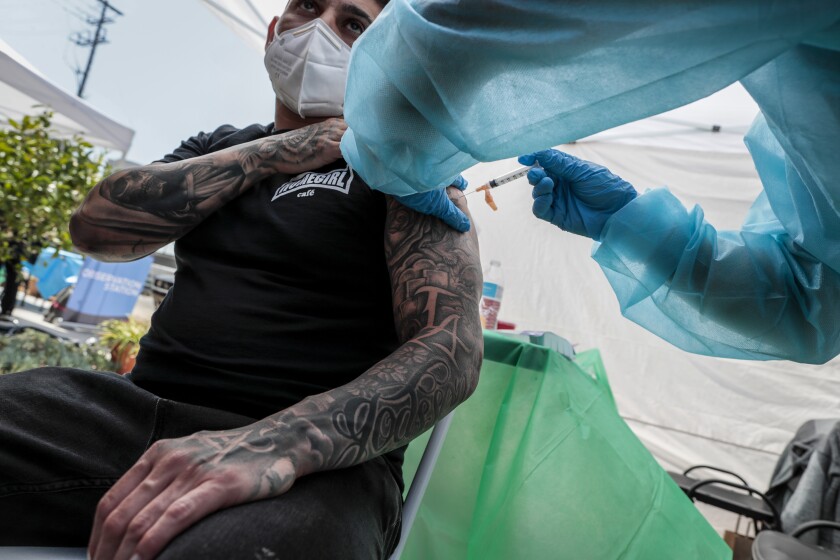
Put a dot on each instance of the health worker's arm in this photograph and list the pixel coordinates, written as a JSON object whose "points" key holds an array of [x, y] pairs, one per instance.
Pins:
{"points": [[436, 281], [746, 294], [134, 212], [453, 87]]}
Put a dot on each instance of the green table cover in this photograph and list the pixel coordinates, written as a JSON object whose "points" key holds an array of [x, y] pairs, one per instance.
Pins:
{"points": [[538, 464]]}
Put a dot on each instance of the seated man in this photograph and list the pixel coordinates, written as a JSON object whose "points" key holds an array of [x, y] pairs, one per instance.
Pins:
{"points": [[285, 371]]}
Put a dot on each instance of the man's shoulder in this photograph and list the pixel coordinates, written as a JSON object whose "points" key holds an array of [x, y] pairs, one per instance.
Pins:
{"points": [[228, 135], [222, 137]]}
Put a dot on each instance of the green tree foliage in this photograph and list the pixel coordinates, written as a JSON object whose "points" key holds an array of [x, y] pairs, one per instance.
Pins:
{"points": [[42, 180]]}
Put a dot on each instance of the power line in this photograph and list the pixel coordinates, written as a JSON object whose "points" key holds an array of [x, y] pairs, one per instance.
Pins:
{"points": [[99, 37]]}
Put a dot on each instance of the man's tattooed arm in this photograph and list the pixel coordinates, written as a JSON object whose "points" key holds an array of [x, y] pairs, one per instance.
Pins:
{"points": [[134, 212], [436, 281]]}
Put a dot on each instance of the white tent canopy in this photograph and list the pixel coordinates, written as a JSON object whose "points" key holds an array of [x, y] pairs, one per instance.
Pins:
{"points": [[23, 88], [686, 409], [248, 18]]}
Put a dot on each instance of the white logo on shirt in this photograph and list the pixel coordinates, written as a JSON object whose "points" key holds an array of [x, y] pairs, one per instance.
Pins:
{"points": [[337, 180]]}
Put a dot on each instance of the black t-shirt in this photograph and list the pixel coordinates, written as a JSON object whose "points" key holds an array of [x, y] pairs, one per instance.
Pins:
{"points": [[280, 294]]}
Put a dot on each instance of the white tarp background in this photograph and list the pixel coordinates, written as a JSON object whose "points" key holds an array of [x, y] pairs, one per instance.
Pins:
{"points": [[248, 18], [22, 88], [687, 409]]}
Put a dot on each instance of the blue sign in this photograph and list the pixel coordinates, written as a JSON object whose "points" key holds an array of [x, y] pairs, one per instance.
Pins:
{"points": [[106, 290], [55, 271]]}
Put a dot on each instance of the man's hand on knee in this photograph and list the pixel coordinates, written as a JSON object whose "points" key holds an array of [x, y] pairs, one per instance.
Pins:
{"points": [[177, 482]]}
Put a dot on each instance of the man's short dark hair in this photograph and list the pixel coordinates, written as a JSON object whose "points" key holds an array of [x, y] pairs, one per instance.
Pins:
{"points": [[382, 3]]}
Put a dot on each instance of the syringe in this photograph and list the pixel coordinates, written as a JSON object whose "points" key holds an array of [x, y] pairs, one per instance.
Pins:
{"points": [[503, 179], [508, 177]]}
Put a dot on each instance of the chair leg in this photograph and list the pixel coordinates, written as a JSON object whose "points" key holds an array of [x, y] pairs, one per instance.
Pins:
{"points": [[421, 480]]}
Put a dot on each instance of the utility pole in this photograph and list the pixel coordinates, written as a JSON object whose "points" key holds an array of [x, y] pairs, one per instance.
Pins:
{"points": [[98, 37]]}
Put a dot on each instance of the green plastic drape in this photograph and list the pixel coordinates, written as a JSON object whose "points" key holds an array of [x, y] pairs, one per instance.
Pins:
{"points": [[538, 464]]}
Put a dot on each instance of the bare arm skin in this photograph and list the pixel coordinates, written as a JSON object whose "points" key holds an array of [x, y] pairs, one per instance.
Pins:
{"points": [[134, 212], [436, 282]]}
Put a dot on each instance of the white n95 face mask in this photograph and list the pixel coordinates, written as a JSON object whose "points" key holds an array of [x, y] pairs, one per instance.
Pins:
{"points": [[307, 66]]}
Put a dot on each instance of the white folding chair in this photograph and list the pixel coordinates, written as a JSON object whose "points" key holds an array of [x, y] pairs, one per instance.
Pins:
{"points": [[421, 480], [41, 553]]}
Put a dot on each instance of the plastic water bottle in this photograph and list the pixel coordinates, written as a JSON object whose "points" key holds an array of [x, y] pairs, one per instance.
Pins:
{"points": [[491, 295]]}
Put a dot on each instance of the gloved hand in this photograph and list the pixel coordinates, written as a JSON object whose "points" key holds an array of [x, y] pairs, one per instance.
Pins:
{"points": [[573, 194], [436, 203]]}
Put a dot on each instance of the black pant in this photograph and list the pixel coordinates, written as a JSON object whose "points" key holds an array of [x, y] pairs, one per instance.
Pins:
{"points": [[67, 435]]}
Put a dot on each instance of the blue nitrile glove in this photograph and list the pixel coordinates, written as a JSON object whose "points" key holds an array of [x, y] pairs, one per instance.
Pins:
{"points": [[575, 195], [436, 203]]}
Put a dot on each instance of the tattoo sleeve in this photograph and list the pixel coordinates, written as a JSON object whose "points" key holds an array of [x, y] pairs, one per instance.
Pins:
{"points": [[134, 212], [436, 282]]}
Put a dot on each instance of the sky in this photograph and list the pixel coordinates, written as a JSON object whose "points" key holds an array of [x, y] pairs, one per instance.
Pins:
{"points": [[169, 70]]}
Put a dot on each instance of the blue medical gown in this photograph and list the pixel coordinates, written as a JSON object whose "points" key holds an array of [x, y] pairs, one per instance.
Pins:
{"points": [[436, 86], [479, 80], [772, 289]]}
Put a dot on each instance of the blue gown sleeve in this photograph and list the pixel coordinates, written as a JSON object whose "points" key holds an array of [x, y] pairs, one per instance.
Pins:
{"points": [[451, 86], [796, 154], [751, 294], [771, 290]]}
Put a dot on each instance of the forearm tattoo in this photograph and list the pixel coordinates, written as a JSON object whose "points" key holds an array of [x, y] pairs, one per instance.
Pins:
{"points": [[436, 281], [159, 203]]}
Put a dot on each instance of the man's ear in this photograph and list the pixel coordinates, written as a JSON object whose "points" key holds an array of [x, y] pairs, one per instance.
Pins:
{"points": [[270, 35]]}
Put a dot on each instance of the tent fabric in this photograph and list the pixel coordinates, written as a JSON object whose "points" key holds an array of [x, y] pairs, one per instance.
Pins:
{"points": [[716, 123], [247, 18], [23, 89]]}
